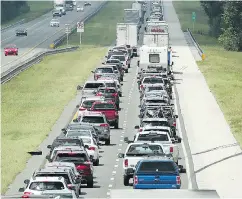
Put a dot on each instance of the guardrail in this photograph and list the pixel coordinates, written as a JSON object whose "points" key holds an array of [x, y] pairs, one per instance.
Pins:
{"points": [[63, 37], [200, 51], [12, 25], [8, 75]]}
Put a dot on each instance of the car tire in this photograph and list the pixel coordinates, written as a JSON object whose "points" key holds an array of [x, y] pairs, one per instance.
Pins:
{"points": [[6, 55], [96, 163], [116, 124], [90, 183], [107, 142], [129, 66], [126, 70], [126, 180], [16, 54], [120, 94]]}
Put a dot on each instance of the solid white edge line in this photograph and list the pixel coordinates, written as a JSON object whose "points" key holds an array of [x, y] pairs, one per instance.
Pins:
{"points": [[188, 172]]}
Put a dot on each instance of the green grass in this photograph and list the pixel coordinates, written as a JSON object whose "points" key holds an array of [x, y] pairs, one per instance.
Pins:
{"points": [[37, 8], [34, 100], [105, 22], [222, 69]]}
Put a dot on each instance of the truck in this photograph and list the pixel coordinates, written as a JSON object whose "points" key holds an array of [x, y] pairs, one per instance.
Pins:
{"points": [[127, 34], [156, 39], [59, 3], [137, 6], [156, 27], [162, 193], [138, 151], [132, 16]]}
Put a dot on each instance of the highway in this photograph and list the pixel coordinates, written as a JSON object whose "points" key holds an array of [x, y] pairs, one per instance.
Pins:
{"points": [[40, 35], [109, 175]]}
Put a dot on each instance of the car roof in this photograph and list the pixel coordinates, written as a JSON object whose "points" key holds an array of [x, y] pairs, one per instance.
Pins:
{"points": [[54, 170], [92, 98], [157, 127], [156, 132], [70, 151], [155, 119], [55, 163], [75, 147], [49, 179], [91, 113], [93, 82]]}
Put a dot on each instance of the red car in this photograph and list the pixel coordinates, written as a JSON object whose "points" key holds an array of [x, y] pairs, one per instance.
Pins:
{"points": [[109, 109], [11, 49]]}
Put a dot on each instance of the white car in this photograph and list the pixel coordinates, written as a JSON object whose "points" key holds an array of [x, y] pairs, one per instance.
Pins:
{"points": [[79, 9], [55, 23], [40, 185], [92, 149]]}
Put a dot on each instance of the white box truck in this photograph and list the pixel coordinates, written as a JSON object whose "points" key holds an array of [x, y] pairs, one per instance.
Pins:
{"points": [[127, 34], [137, 6], [156, 39]]}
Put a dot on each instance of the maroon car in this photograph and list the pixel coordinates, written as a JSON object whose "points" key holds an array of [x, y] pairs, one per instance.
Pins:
{"points": [[11, 49]]}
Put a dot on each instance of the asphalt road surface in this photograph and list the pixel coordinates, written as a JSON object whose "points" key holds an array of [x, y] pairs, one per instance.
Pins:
{"points": [[40, 35], [109, 175]]}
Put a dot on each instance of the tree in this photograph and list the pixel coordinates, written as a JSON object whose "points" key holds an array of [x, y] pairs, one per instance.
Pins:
{"points": [[231, 36], [214, 11]]}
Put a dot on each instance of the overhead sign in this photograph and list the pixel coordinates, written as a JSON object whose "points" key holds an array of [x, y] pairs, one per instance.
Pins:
{"points": [[80, 26]]}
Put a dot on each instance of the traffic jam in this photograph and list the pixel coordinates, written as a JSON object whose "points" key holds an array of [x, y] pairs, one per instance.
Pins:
{"points": [[152, 157]]}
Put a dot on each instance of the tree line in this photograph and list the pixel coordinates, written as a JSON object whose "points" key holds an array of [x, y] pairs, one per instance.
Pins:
{"points": [[12, 9], [225, 22]]}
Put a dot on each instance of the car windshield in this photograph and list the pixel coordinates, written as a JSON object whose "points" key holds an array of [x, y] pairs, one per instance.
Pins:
{"points": [[93, 119], [78, 133], [155, 137], [155, 123], [104, 70], [87, 103], [121, 58], [93, 85], [157, 166], [144, 149], [152, 80], [113, 61], [104, 106], [40, 186], [64, 175]]}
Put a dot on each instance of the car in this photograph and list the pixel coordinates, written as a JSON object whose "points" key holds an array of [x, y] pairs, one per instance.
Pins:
{"points": [[45, 185], [157, 173], [102, 70], [109, 93], [99, 121], [110, 82], [150, 80], [21, 31], [56, 13], [11, 49], [79, 9], [78, 133], [86, 102], [110, 110], [118, 64], [92, 148], [82, 161], [116, 71], [55, 23], [87, 4], [124, 61], [90, 86]]}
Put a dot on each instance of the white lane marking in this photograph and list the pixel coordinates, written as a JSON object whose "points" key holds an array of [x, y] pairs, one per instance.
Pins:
{"points": [[117, 160], [108, 193], [183, 146], [111, 179], [114, 172], [119, 149], [120, 144], [121, 139], [116, 165], [122, 136], [110, 185]]}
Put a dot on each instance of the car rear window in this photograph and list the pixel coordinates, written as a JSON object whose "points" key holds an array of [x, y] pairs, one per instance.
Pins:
{"points": [[156, 101], [64, 175], [144, 149], [86, 140], [94, 85], [107, 90], [74, 133], [104, 106], [93, 119], [104, 70], [155, 123], [110, 84], [88, 103], [157, 166], [113, 61], [80, 156], [151, 80], [154, 58], [121, 58], [39, 186], [148, 137]]}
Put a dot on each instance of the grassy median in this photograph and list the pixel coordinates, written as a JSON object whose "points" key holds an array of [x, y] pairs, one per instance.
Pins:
{"points": [[34, 100], [222, 69], [37, 8]]}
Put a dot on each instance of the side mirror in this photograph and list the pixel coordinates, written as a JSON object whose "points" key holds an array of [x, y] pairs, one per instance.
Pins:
{"points": [[49, 146], [75, 120], [126, 139], [172, 63], [122, 84], [106, 56], [35, 152], [86, 147], [64, 132], [103, 62], [119, 109], [138, 63], [26, 181], [136, 127], [179, 140], [63, 129], [139, 116], [77, 106], [121, 155], [79, 87], [139, 106], [21, 189]]}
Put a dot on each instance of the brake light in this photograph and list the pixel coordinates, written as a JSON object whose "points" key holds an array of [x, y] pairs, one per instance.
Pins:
{"points": [[104, 125], [141, 86], [85, 168], [92, 148], [178, 180], [140, 130], [82, 109], [25, 196], [174, 123], [99, 94], [115, 94], [27, 193], [135, 179], [171, 149], [97, 76], [126, 162], [116, 113]]}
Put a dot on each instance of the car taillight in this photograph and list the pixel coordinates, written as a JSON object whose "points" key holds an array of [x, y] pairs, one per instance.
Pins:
{"points": [[104, 125], [116, 113], [99, 94], [178, 180], [174, 123], [135, 179], [126, 162], [27, 193], [92, 148], [25, 196], [82, 109], [140, 130], [141, 86], [115, 94], [171, 149], [126, 62]]}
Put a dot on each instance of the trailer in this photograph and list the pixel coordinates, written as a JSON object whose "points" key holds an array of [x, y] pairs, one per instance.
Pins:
{"points": [[156, 39], [137, 6]]}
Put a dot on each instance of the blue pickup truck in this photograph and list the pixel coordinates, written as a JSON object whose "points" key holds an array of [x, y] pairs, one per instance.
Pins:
{"points": [[156, 174]]}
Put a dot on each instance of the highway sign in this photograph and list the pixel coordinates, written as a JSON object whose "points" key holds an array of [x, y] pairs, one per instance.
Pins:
{"points": [[80, 26], [193, 16], [67, 28]]}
